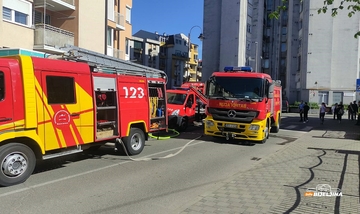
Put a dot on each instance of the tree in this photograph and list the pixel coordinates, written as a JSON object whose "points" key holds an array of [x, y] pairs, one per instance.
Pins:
{"points": [[352, 7]]}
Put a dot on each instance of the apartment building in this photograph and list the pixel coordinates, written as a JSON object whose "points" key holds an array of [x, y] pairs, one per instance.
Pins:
{"points": [[192, 72], [314, 55], [47, 25], [328, 54], [175, 58], [144, 51], [230, 37]]}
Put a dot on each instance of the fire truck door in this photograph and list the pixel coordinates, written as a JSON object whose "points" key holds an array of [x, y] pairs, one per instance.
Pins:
{"points": [[6, 100], [62, 107], [191, 107]]}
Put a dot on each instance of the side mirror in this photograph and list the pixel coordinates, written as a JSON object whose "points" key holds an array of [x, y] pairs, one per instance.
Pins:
{"points": [[271, 91]]}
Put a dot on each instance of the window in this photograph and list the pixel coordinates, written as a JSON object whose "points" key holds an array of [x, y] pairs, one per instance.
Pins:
{"points": [[127, 46], [60, 90], [190, 100], [283, 30], [109, 37], [21, 18], [283, 47], [323, 97], [17, 11], [248, 28], [128, 14], [39, 18], [2, 86], [6, 13], [337, 97]]}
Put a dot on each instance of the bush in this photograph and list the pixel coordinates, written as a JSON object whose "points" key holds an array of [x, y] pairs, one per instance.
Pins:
{"points": [[314, 105], [311, 105]]}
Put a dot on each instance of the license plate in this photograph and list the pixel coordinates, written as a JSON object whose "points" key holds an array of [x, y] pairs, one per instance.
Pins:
{"points": [[231, 125]]}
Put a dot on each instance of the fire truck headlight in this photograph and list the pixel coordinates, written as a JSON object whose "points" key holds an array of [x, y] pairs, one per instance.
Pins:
{"points": [[209, 123], [176, 112], [254, 127]]}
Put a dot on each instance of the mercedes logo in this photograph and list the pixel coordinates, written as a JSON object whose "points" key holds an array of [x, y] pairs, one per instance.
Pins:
{"points": [[231, 113]]}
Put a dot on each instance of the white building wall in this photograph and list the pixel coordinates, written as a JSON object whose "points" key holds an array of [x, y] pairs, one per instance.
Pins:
{"points": [[211, 43], [227, 42], [331, 58]]}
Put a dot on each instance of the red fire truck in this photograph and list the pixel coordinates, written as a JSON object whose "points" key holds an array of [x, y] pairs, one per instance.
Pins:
{"points": [[55, 107], [242, 105], [185, 105]]}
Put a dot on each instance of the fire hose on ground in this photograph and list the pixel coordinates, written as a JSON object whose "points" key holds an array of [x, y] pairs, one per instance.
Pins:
{"points": [[158, 137]]}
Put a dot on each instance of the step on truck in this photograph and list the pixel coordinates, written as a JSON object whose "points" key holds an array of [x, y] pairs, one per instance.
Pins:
{"points": [[242, 105], [58, 105]]}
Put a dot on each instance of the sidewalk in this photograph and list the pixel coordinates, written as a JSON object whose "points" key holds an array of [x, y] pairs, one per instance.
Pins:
{"points": [[329, 154]]}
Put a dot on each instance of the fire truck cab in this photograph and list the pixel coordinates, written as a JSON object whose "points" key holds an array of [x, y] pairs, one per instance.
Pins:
{"points": [[242, 104]]}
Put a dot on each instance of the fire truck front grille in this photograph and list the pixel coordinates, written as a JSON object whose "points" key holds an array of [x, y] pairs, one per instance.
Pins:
{"points": [[230, 115]]}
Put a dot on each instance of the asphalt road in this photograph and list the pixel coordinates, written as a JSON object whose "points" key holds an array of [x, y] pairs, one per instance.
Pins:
{"points": [[108, 182]]}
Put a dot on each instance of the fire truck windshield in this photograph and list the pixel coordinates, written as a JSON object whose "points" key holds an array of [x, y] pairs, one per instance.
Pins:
{"points": [[236, 88], [175, 98]]}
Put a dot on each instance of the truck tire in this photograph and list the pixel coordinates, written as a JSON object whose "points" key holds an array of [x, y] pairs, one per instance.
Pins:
{"points": [[135, 142], [18, 162], [183, 125], [276, 129], [266, 132]]}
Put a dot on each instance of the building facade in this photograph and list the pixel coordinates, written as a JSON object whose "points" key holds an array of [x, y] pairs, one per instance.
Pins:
{"points": [[180, 62], [315, 56], [144, 51], [328, 55], [231, 30], [47, 25]]}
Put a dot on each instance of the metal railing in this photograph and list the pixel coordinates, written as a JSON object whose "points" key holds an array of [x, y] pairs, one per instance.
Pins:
{"points": [[118, 54], [52, 36], [120, 19]]}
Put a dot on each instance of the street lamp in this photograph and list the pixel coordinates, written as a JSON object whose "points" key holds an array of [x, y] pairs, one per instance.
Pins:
{"points": [[256, 56], [201, 37]]}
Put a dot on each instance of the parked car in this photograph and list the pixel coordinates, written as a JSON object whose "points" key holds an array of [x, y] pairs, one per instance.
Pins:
{"points": [[285, 106]]}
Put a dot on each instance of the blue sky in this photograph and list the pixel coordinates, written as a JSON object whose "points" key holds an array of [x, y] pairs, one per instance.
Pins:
{"points": [[169, 16]]}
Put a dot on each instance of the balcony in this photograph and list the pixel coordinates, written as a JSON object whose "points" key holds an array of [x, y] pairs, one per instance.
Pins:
{"points": [[55, 5], [48, 38], [120, 21], [118, 54]]}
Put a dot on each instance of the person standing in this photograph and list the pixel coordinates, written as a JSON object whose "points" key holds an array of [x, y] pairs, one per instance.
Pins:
{"points": [[306, 112], [355, 108], [350, 111], [301, 110], [339, 111], [333, 108], [322, 112]]}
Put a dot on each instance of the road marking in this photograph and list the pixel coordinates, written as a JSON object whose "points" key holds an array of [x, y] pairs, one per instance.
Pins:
{"points": [[95, 170]]}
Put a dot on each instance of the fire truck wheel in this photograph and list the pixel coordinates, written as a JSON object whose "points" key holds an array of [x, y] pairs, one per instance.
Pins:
{"points": [[135, 142], [266, 133], [183, 125], [17, 163], [276, 129]]}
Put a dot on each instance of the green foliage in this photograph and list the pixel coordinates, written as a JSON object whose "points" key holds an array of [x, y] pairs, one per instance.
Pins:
{"points": [[353, 7], [312, 105]]}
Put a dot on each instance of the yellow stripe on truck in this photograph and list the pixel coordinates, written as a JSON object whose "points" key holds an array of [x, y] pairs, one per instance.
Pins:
{"points": [[28, 79]]}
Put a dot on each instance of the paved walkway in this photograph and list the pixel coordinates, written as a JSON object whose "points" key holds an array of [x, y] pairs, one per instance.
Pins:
{"points": [[329, 154]]}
